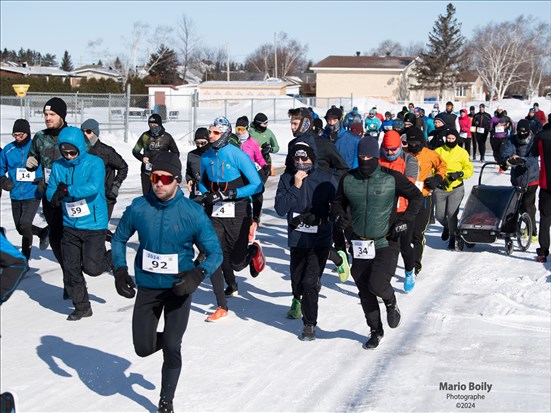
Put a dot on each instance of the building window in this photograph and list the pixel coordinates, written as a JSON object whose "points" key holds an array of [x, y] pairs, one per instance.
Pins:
{"points": [[460, 91]]}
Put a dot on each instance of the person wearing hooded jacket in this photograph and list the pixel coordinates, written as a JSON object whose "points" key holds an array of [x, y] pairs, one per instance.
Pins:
{"points": [[437, 136], [304, 196], [345, 141], [518, 154], [14, 266], [372, 193], [394, 157], [266, 139], [116, 168], [481, 122], [25, 187], [432, 171], [465, 124], [351, 117], [500, 128], [193, 164], [42, 154], [449, 194], [76, 185], [228, 181], [152, 142]]}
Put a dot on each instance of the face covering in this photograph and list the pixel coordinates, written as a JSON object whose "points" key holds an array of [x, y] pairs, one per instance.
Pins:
{"points": [[93, 139], [415, 147], [243, 137], [523, 139], [335, 128], [393, 157], [155, 130], [306, 167], [367, 167], [451, 145]]}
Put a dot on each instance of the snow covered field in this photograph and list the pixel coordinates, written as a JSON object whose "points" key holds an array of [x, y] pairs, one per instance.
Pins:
{"points": [[477, 316]]}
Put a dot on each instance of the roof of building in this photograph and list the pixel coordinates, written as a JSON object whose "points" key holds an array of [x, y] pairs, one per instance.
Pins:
{"points": [[97, 69], [268, 83], [35, 70], [364, 62]]}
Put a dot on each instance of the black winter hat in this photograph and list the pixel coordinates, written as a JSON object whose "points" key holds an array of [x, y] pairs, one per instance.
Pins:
{"points": [[523, 126], [368, 146], [201, 133], [242, 121], [415, 135], [452, 131], [441, 118], [410, 117], [334, 113], [448, 103], [58, 106], [260, 118], [303, 149], [155, 118], [169, 162], [22, 125]]}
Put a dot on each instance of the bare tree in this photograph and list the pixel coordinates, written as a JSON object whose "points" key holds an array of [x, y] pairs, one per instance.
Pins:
{"points": [[413, 49], [387, 47], [188, 42], [290, 57], [505, 55]]}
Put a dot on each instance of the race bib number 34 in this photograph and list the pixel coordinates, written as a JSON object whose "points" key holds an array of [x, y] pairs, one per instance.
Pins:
{"points": [[77, 209], [363, 250], [159, 263]]}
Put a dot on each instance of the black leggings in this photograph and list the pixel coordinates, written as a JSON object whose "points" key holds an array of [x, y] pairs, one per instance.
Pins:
{"points": [[149, 305], [481, 140], [528, 205], [23, 212]]}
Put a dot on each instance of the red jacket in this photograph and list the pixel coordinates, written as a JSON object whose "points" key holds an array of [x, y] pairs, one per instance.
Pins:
{"points": [[541, 116]]}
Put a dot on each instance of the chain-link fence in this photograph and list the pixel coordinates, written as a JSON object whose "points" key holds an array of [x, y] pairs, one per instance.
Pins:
{"points": [[117, 112]]}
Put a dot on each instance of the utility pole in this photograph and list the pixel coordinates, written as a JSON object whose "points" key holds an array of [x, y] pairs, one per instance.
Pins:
{"points": [[275, 56], [228, 61]]}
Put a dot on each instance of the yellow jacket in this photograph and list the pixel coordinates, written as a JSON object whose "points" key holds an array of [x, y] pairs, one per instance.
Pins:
{"points": [[457, 159]]}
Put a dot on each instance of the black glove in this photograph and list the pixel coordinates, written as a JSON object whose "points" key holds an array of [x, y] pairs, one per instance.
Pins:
{"points": [[114, 192], [308, 219], [432, 182], [124, 283], [266, 148], [397, 229], [516, 161], [6, 183], [219, 196], [189, 281], [267, 169], [40, 185], [452, 176], [342, 222], [444, 184], [59, 194]]}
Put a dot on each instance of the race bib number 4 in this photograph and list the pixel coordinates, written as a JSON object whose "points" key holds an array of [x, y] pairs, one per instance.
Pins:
{"points": [[363, 250], [159, 263], [22, 175], [77, 209], [223, 210]]}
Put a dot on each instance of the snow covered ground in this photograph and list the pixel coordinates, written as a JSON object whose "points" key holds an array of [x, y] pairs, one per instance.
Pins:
{"points": [[477, 316]]}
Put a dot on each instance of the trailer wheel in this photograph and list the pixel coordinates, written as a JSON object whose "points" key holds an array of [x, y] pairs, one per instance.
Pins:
{"points": [[524, 231]]}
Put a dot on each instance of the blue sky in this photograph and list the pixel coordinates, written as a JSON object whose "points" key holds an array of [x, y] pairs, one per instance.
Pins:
{"points": [[327, 27]]}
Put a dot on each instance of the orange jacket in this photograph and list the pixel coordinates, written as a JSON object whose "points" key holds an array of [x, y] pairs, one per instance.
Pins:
{"points": [[430, 164]]}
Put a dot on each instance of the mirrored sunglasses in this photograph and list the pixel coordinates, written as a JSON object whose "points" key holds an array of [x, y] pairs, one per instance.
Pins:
{"points": [[165, 179], [240, 129], [214, 132]]}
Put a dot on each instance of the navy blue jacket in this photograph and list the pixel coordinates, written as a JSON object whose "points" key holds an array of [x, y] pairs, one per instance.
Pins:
{"points": [[525, 175], [171, 227]]}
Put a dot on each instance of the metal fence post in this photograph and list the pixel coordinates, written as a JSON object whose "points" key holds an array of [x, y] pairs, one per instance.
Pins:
{"points": [[128, 90]]}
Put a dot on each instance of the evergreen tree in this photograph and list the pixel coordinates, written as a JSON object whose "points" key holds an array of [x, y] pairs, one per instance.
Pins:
{"points": [[163, 65], [118, 64], [100, 63], [49, 60], [66, 63], [437, 68]]}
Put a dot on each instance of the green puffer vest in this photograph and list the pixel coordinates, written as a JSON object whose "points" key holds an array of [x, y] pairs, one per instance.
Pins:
{"points": [[372, 201]]}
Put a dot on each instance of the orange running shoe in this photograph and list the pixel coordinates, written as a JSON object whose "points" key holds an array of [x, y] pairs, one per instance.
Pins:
{"points": [[219, 313]]}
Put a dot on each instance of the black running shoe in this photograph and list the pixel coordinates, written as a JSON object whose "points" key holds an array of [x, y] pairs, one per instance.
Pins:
{"points": [[231, 291], [308, 333], [165, 407], [374, 340], [78, 314], [393, 315]]}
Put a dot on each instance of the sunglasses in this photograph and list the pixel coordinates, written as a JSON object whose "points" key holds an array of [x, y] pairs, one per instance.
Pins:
{"points": [[18, 135], [240, 129], [69, 153], [391, 149], [165, 179], [214, 132], [87, 131], [301, 158], [201, 143]]}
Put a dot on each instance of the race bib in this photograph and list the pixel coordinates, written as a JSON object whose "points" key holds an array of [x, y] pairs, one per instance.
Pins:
{"points": [[480, 130], [388, 127], [374, 133], [223, 210], [77, 209], [148, 166], [473, 128], [463, 134], [159, 263], [309, 229], [500, 129], [419, 185], [257, 166], [47, 173], [363, 250], [22, 175]]}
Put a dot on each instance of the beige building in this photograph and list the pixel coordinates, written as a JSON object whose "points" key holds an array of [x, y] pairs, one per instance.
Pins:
{"points": [[363, 77]]}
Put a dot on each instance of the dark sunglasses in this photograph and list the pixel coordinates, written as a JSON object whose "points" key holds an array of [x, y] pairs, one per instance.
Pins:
{"points": [[201, 143], [391, 149], [87, 131], [214, 132], [301, 158], [165, 179], [69, 153]]}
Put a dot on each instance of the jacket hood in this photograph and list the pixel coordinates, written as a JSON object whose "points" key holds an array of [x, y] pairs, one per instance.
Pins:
{"points": [[75, 137]]}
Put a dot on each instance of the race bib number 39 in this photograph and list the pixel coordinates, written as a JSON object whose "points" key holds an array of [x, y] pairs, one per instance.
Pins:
{"points": [[223, 210], [159, 263], [23, 175], [363, 250], [77, 209]]}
